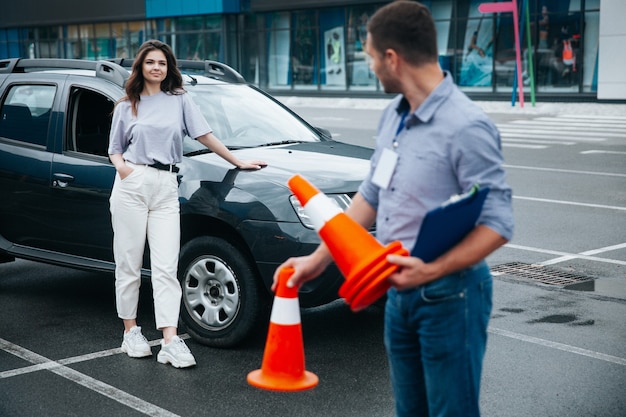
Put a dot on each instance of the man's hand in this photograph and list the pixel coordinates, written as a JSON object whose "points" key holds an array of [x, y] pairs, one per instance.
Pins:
{"points": [[411, 273], [305, 268], [476, 246]]}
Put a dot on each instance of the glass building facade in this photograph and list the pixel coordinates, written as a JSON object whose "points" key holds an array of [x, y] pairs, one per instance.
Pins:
{"points": [[307, 48]]}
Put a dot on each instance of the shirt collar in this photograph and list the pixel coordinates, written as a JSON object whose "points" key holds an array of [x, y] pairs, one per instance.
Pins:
{"points": [[427, 109]]}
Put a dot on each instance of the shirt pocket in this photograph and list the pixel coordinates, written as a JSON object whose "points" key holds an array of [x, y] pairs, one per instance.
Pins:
{"points": [[425, 174]]}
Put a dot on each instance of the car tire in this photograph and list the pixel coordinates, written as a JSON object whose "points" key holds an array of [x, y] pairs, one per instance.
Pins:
{"points": [[220, 292]]}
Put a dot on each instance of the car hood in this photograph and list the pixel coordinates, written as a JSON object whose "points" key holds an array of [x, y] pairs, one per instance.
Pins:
{"points": [[333, 167]]}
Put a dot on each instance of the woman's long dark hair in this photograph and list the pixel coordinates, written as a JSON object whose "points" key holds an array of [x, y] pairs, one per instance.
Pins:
{"points": [[172, 84]]}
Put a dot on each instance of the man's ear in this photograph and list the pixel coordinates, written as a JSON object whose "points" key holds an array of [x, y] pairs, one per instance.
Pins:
{"points": [[391, 57]]}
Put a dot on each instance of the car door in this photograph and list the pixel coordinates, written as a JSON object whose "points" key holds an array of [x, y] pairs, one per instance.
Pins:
{"points": [[81, 175], [27, 121]]}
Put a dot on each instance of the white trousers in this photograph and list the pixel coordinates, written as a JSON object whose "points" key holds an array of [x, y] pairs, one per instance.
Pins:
{"points": [[145, 205]]}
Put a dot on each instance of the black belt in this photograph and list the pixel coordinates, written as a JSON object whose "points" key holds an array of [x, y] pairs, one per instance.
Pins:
{"points": [[164, 167]]}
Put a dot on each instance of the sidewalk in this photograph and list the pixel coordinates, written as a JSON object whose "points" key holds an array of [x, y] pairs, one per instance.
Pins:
{"points": [[548, 108]]}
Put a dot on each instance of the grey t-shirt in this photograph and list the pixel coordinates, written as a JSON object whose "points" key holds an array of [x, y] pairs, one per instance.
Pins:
{"points": [[156, 133]]}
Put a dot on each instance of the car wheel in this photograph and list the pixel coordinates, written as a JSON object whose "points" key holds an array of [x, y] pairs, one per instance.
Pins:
{"points": [[220, 302]]}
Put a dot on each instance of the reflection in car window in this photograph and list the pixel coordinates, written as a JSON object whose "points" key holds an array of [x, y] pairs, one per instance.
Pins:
{"points": [[242, 117], [25, 113]]}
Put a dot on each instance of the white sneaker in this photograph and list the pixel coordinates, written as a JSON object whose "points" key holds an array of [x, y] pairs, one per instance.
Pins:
{"points": [[176, 353], [135, 344]]}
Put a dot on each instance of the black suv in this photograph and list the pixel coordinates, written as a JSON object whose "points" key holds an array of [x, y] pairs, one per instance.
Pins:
{"points": [[237, 226]]}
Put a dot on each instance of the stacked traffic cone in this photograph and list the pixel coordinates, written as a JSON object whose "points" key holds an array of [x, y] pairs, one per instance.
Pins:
{"points": [[359, 256], [283, 359]]}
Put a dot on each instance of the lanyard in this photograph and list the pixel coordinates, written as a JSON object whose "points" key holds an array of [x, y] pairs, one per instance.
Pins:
{"points": [[400, 127]]}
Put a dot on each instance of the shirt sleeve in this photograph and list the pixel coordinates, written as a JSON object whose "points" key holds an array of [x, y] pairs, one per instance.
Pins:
{"points": [[195, 124], [478, 160], [368, 190], [118, 140]]}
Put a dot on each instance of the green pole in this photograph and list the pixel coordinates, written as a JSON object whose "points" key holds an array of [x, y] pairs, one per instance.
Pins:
{"points": [[530, 57]]}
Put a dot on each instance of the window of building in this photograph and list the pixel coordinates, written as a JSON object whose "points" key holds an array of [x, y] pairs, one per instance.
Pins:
{"points": [[558, 64], [589, 54], [47, 42], [332, 50], [476, 56], [102, 44], [25, 113], [194, 38], [73, 48], [189, 40], [87, 36], [303, 51], [442, 14], [250, 63], [10, 40], [360, 76], [120, 39], [278, 67]]}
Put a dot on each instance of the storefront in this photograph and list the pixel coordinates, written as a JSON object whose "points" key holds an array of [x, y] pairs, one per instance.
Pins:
{"points": [[317, 47]]}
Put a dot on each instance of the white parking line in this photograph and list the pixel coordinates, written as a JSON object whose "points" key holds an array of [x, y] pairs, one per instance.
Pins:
{"points": [[69, 361], [544, 142], [570, 126], [593, 118], [86, 381], [593, 151], [570, 203], [560, 346], [586, 253], [519, 145], [567, 171], [535, 135], [604, 249], [565, 254], [579, 137]]}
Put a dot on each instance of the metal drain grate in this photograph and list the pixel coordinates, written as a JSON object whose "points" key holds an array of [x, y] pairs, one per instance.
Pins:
{"points": [[544, 275]]}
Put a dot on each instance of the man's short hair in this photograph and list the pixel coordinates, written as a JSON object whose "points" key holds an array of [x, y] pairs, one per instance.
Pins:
{"points": [[406, 27]]}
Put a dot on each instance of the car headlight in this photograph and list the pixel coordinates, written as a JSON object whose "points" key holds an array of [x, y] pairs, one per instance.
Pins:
{"points": [[342, 201]]}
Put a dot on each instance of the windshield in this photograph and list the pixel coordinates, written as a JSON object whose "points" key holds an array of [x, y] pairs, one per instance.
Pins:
{"points": [[242, 117]]}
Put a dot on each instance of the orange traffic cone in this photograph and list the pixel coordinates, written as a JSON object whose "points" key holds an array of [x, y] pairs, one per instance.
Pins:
{"points": [[358, 255], [283, 359]]}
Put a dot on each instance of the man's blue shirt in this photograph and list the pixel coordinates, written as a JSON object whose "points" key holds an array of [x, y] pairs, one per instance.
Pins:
{"points": [[447, 145]]}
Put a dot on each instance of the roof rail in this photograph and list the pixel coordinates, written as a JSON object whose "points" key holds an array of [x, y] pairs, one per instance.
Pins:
{"points": [[7, 65], [212, 69], [107, 70]]}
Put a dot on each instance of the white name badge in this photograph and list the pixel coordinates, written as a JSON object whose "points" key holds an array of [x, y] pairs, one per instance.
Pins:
{"points": [[384, 169]]}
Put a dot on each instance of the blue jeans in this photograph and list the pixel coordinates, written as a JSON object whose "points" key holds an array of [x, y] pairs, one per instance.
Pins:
{"points": [[436, 336]]}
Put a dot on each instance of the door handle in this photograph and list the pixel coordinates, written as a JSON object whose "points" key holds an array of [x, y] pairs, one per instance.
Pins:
{"points": [[61, 180]]}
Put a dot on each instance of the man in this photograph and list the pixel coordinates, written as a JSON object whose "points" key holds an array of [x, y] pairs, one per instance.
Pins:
{"points": [[433, 142]]}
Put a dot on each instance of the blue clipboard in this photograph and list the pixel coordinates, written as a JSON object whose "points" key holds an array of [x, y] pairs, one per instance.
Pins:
{"points": [[448, 224]]}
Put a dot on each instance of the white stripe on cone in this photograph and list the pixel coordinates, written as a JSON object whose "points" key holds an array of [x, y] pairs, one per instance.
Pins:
{"points": [[321, 209], [285, 311]]}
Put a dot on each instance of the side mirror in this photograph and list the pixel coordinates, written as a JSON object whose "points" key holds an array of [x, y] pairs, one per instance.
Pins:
{"points": [[325, 133]]}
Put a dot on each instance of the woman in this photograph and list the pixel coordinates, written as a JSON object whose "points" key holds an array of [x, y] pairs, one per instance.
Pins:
{"points": [[146, 142]]}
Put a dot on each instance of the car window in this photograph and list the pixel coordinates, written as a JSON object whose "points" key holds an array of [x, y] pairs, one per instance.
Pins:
{"points": [[242, 117], [89, 122], [25, 113]]}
